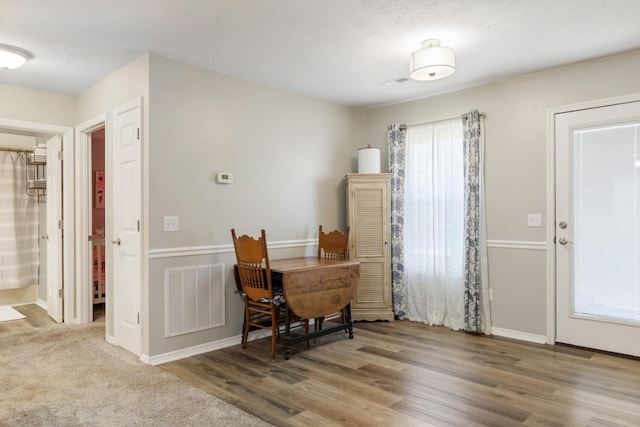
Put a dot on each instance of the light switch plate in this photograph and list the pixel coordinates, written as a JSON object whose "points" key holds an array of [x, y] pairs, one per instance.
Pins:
{"points": [[534, 220], [171, 223]]}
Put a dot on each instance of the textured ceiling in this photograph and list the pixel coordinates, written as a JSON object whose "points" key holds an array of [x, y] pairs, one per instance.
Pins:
{"points": [[338, 50]]}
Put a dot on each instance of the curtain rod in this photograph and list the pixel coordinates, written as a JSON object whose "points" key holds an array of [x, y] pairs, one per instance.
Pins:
{"points": [[482, 115], [17, 150]]}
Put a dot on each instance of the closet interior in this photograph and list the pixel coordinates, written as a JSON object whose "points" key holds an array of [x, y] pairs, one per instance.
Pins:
{"points": [[99, 264]]}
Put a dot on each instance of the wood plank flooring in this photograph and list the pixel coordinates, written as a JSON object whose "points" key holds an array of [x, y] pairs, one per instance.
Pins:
{"points": [[36, 317], [407, 374]]}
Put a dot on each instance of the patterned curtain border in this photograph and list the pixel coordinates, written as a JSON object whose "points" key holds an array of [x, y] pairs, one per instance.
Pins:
{"points": [[396, 135], [472, 281]]}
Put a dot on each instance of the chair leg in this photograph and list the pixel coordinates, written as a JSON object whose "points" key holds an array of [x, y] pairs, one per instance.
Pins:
{"points": [[274, 330], [343, 313], [287, 333], [278, 314], [349, 321], [245, 331]]}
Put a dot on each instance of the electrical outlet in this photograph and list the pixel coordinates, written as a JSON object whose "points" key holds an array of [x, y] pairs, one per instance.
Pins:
{"points": [[171, 223], [534, 220]]}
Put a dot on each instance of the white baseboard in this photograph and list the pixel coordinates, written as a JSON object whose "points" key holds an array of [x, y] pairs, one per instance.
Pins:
{"points": [[110, 339], [42, 304], [201, 348], [256, 335], [519, 335], [205, 348]]}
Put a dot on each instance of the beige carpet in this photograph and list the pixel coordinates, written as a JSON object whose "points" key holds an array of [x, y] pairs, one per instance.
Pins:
{"points": [[67, 375]]}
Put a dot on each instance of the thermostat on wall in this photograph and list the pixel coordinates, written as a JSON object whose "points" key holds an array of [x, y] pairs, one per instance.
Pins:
{"points": [[224, 178]]}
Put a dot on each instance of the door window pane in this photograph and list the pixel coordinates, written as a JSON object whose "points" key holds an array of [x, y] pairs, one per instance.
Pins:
{"points": [[606, 217]]}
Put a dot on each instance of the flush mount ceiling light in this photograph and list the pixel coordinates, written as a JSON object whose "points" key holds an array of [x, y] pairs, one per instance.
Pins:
{"points": [[432, 62], [12, 57]]}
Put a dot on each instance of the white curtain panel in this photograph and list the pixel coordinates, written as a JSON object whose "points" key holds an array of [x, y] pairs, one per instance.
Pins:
{"points": [[19, 246], [434, 223]]}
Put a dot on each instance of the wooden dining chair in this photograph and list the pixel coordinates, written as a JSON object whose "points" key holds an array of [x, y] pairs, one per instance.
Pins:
{"points": [[260, 309], [332, 245], [262, 302]]}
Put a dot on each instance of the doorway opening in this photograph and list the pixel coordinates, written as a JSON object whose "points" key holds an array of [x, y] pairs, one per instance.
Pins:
{"points": [[58, 260], [92, 222], [98, 264], [24, 272]]}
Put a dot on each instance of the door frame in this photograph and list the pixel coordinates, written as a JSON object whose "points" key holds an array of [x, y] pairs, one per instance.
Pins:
{"points": [[551, 196], [68, 246], [84, 197]]}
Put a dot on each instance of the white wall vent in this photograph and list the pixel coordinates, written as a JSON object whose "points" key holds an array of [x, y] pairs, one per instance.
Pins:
{"points": [[194, 298]]}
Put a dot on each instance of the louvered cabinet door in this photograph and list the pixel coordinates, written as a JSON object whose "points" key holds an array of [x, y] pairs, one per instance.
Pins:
{"points": [[369, 218]]}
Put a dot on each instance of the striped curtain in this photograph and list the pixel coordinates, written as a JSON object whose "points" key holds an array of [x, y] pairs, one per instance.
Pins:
{"points": [[19, 245]]}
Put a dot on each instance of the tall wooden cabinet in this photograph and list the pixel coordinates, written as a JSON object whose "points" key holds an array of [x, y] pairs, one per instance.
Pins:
{"points": [[369, 219]]}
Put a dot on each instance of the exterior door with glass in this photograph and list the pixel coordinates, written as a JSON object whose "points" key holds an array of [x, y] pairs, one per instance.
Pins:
{"points": [[598, 227]]}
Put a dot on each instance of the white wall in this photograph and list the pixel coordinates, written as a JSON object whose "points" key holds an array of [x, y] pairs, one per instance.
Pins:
{"points": [[29, 105], [516, 149]]}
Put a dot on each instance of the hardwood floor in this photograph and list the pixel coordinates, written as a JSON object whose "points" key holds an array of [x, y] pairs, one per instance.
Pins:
{"points": [[405, 373], [36, 317]]}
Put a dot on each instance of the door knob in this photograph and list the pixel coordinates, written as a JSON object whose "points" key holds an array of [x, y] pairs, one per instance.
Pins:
{"points": [[45, 237], [116, 242], [563, 241]]}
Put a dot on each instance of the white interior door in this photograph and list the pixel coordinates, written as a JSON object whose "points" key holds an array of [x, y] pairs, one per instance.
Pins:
{"points": [[54, 230], [598, 228], [127, 242]]}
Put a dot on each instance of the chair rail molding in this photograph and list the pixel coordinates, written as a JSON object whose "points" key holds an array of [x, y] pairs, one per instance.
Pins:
{"points": [[517, 244], [223, 249]]}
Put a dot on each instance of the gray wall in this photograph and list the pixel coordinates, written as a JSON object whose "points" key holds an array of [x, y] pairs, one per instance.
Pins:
{"points": [[128, 83], [516, 156], [288, 155]]}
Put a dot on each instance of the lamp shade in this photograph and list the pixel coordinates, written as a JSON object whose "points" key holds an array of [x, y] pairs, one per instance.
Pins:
{"points": [[12, 57], [432, 62]]}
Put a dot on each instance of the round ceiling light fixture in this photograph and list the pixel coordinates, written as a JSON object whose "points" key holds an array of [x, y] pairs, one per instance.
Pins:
{"points": [[12, 57], [432, 62]]}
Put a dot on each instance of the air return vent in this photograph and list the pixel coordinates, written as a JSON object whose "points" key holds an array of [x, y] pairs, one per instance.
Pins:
{"points": [[194, 298], [395, 81]]}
